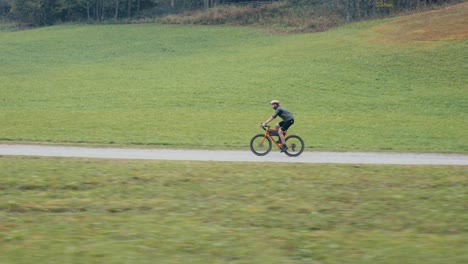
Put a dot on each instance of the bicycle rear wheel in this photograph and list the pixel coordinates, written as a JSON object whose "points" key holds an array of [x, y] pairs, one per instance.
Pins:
{"points": [[260, 145], [295, 145]]}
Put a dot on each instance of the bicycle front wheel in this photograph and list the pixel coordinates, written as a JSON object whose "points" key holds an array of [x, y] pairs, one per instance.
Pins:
{"points": [[295, 145], [260, 145]]}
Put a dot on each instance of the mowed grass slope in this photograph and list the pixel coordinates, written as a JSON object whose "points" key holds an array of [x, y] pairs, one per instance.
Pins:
{"points": [[109, 211], [353, 88]]}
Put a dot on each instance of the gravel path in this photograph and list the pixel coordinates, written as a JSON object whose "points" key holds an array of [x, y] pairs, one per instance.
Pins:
{"points": [[234, 156]]}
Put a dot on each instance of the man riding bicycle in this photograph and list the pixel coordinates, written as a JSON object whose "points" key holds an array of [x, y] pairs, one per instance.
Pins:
{"points": [[281, 127]]}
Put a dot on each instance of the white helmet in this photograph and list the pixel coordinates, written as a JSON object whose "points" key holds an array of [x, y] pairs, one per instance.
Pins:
{"points": [[274, 102]]}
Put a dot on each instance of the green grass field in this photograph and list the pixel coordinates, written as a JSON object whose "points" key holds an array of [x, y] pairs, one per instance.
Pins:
{"points": [[110, 211], [390, 85], [353, 88]]}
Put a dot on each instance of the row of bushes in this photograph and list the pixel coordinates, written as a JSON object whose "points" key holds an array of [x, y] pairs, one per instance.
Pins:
{"points": [[276, 16], [299, 15]]}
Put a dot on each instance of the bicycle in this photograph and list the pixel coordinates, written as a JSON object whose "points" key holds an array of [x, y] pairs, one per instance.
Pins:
{"points": [[261, 144]]}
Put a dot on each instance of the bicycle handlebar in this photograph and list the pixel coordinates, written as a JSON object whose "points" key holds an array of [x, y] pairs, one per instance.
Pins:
{"points": [[264, 127]]}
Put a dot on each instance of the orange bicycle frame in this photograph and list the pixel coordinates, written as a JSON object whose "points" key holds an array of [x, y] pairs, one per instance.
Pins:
{"points": [[268, 131]]}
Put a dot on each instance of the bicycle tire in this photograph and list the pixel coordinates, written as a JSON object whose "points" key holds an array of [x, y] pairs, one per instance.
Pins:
{"points": [[260, 145], [295, 145]]}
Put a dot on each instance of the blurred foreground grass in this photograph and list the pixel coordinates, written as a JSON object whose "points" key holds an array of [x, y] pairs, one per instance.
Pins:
{"points": [[111, 211]]}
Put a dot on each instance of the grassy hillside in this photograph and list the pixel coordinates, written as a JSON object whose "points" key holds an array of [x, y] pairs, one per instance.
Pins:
{"points": [[354, 88], [109, 211]]}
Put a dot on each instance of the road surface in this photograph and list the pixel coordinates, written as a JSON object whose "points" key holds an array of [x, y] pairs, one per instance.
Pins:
{"points": [[233, 156]]}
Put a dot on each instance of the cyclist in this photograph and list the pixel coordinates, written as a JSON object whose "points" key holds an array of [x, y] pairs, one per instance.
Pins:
{"points": [[282, 127]]}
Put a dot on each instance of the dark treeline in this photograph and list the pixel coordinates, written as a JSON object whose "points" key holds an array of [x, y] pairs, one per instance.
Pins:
{"points": [[47, 12]]}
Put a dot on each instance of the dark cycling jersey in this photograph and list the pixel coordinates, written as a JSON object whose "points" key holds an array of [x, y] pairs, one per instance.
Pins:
{"points": [[283, 113]]}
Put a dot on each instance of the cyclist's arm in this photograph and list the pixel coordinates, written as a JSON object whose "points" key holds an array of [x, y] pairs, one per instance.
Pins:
{"points": [[269, 120]]}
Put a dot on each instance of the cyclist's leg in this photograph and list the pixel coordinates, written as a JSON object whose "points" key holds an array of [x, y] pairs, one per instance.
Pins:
{"points": [[285, 126], [283, 142], [277, 128]]}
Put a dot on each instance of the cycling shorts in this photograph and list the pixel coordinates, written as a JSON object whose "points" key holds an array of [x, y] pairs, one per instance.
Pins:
{"points": [[286, 124]]}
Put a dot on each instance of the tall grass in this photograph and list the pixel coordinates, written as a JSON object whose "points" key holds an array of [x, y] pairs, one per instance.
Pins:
{"points": [[109, 211], [276, 17]]}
